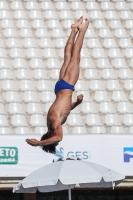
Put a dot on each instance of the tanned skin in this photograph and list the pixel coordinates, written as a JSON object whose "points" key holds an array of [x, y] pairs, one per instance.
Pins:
{"points": [[60, 109]]}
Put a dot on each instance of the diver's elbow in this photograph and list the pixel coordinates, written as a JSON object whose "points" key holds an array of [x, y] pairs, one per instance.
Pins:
{"points": [[59, 139]]}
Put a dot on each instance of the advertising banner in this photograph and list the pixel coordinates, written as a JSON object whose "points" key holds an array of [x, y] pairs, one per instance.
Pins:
{"points": [[18, 159]]}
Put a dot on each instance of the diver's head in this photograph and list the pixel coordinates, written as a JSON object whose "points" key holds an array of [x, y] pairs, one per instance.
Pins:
{"points": [[49, 148]]}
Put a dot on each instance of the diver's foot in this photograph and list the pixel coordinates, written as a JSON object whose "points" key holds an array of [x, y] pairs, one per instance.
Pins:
{"points": [[77, 23], [84, 25]]}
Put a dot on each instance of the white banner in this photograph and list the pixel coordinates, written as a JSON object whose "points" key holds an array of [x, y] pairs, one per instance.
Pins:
{"points": [[18, 159]]}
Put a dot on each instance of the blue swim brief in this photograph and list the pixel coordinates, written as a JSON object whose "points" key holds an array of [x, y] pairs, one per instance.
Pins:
{"points": [[62, 85]]}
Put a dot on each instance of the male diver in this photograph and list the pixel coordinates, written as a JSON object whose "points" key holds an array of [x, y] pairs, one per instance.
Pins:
{"points": [[69, 73]]}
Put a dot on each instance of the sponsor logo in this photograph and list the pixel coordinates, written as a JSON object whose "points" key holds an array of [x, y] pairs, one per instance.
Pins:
{"points": [[8, 155], [128, 153], [84, 155]]}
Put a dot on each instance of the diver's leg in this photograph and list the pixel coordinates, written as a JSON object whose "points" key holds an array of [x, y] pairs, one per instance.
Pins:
{"points": [[69, 47], [72, 71]]}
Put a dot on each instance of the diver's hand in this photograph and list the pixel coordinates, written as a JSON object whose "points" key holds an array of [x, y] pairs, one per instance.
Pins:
{"points": [[80, 98], [32, 142]]}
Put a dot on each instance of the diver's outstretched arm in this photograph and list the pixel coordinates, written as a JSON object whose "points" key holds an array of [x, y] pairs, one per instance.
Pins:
{"points": [[52, 140], [58, 134]]}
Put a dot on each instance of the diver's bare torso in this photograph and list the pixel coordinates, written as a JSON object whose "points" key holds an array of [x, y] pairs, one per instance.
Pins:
{"points": [[61, 107]]}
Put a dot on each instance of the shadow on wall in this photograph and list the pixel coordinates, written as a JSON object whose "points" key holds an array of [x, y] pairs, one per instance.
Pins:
{"points": [[88, 195], [106, 194]]}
